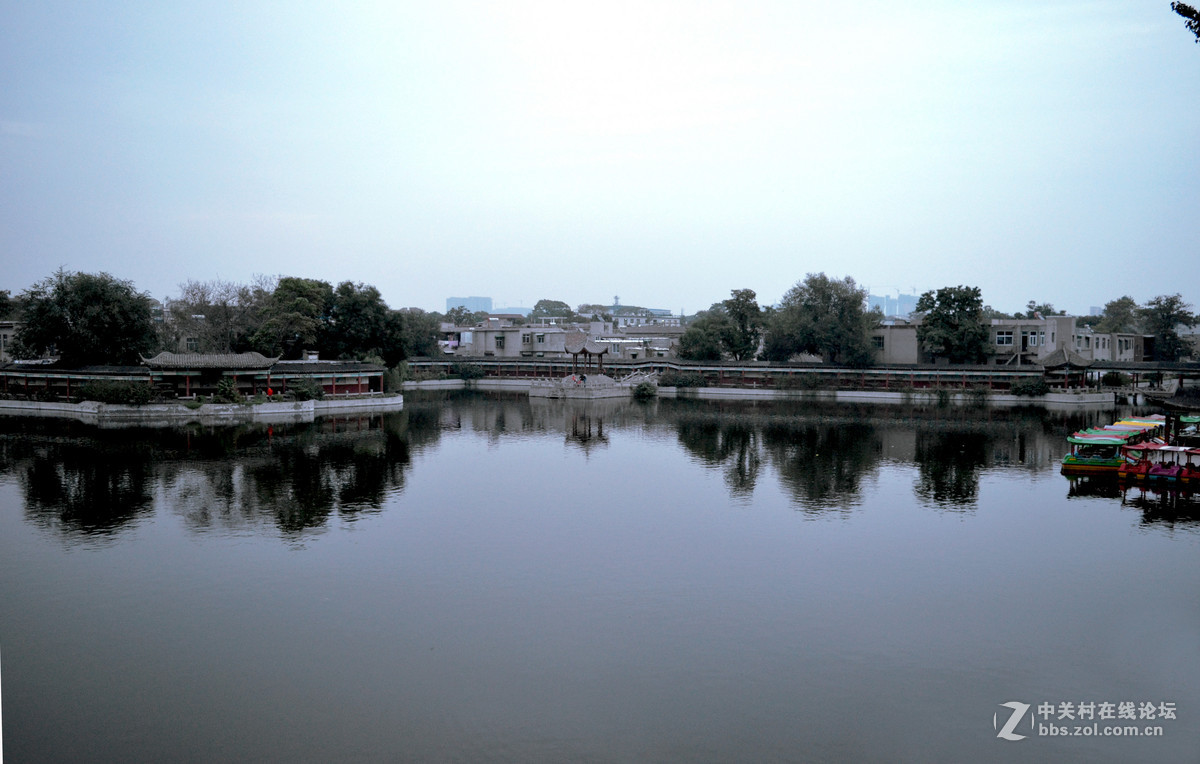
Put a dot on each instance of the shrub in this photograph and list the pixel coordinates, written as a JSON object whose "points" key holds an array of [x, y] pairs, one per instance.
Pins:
{"points": [[977, 395], [1114, 379], [227, 392], [672, 378], [425, 375], [802, 382], [1029, 387], [307, 390], [129, 393], [645, 390], [44, 395], [467, 370]]}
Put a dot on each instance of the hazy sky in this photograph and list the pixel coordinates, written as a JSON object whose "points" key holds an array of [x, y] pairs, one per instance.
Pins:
{"points": [[663, 152]]}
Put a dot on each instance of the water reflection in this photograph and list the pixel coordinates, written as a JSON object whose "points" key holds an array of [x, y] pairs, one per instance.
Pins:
{"points": [[297, 477], [94, 491], [1163, 506], [948, 467], [93, 482], [823, 466], [730, 445]]}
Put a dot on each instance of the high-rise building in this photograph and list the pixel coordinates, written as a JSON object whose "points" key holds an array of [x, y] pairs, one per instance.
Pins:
{"points": [[473, 304], [900, 305]]}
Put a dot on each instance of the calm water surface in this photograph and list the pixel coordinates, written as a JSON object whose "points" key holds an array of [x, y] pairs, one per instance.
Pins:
{"points": [[495, 579]]}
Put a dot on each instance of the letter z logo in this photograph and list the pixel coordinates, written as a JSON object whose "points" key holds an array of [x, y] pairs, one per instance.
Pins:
{"points": [[1018, 713]]}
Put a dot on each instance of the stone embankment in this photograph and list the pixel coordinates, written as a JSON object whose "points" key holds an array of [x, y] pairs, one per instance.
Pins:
{"points": [[1056, 400], [174, 414]]}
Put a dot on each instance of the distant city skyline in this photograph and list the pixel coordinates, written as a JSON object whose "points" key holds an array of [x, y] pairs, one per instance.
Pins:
{"points": [[1037, 149]]}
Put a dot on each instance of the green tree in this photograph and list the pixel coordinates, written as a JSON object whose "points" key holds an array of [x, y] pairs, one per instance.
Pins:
{"points": [[418, 333], [1034, 309], [460, 316], [6, 304], [1120, 315], [357, 322], [1192, 16], [596, 311], [740, 334], [825, 317], [294, 317], [552, 309], [701, 341], [86, 319], [953, 324], [1160, 317]]}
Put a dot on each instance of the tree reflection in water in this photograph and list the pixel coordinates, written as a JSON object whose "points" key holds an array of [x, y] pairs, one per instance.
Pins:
{"points": [[88, 481], [74, 487], [297, 477], [726, 443], [948, 465], [823, 466]]}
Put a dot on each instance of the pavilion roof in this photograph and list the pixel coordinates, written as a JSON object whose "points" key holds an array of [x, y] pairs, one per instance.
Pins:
{"points": [[579, 342], [210, 361], [1065, 358]]}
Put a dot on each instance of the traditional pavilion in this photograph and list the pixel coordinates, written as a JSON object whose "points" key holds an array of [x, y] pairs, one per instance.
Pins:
{"points": [[577, 343], [1066, 368], [186, 374]]}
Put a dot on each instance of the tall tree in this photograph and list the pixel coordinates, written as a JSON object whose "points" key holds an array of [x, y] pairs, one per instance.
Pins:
{"points": [[1161, 317], [552, 309], [294, 317], [1120, 315], [953, 324], [1035, 309], [701, 341], [1191, 14], [741, 333], [825, 317], [356, 324], [6, 304], [418, 333], [220, 316], [86, 319], [461, 316], [595, 311]]}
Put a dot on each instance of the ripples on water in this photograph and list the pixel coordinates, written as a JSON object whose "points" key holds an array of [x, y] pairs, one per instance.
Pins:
{"points": [[502, 579]]}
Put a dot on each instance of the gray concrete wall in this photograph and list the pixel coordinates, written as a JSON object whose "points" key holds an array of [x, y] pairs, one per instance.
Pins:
{"points": [[172, 414]]}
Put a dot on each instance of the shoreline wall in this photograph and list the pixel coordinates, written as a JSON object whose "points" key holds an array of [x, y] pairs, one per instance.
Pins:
{"points": [[174, 414], [1088, 400]]}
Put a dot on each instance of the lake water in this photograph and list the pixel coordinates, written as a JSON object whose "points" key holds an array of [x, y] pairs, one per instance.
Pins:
{"points": [[498, 579]]}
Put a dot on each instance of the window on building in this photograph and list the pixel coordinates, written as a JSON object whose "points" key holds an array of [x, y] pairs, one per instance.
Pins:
{"points": [[877, 341], [1041, 338], [193, 345], [526, 339], [499, 341], [1004, 338], [541, 338]]}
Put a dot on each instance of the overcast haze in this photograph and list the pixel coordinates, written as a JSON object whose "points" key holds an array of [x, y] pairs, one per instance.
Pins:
{"points": [[665, 152]]}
